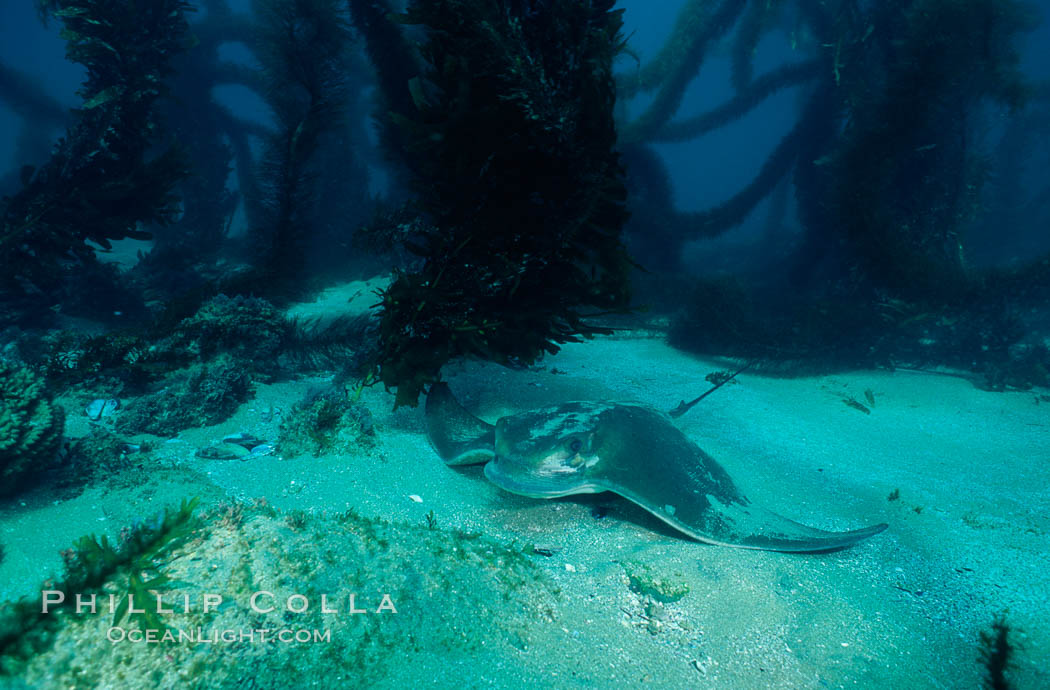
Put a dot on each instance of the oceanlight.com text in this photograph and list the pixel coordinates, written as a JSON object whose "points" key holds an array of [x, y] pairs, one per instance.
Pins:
{"points": [[118, 635]]}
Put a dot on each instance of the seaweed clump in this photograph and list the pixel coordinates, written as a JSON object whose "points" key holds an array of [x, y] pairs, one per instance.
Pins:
{"points": [[642, 581], [996, 653], [91, 562], [507, 133], [325, 423], [30, 427]]}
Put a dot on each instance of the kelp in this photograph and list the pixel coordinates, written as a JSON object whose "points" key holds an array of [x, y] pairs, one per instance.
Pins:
{"points": [[998, 650], [730, 213], [759, 18], [303, 48], [661, 232], [653, 232], [691, 27], [101, 183], [396, 64], [749, 97], [510, 143], [199, 123], [903, 178], [712, 24], [24, 95], [886, 162]]}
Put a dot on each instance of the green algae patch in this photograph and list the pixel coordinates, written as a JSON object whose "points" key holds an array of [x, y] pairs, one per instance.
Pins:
{"points": [[643, 581], [327, 423]]}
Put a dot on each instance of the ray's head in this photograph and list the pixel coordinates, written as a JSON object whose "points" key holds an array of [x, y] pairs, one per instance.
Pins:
{"points": [[551, 452]]}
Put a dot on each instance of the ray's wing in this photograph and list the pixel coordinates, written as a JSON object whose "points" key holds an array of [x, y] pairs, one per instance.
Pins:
{"points": [[662, 470], [459, 437]]}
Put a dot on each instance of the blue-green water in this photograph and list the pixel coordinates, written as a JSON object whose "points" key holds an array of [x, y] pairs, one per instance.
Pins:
{"points": [[344, 348]]}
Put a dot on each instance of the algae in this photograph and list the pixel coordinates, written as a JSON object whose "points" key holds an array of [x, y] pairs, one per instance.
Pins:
{"points": [[326, 423], [455, 595], [644, 582]]}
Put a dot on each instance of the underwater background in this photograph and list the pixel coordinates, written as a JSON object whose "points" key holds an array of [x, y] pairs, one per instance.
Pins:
{"points": [[313, 314]]}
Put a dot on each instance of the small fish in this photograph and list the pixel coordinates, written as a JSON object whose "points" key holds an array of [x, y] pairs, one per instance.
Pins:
{"points": [[856, 405], [242, 439], [223, 451], [869, 395], [547, 551]]}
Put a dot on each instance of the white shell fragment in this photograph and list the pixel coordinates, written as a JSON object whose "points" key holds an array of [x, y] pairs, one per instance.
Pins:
{"points": [[99, 408]]}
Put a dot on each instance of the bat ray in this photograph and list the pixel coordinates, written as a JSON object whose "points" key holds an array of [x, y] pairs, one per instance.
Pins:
{"points": [[628, 449]]}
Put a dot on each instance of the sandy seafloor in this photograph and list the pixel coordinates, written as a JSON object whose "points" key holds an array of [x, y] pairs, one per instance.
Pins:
{"points": [[968, 536]]}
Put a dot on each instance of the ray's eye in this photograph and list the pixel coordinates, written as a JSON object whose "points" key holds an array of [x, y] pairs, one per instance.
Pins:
{"points": [[575, 445]]}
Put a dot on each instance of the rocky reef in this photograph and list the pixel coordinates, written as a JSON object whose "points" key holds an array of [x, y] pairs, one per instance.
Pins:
{"points": [[201, 395], [248, 329]]}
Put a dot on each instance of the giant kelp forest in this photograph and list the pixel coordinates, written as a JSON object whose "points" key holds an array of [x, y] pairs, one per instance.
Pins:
{"points": [[895, 187], [525, 202]]}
